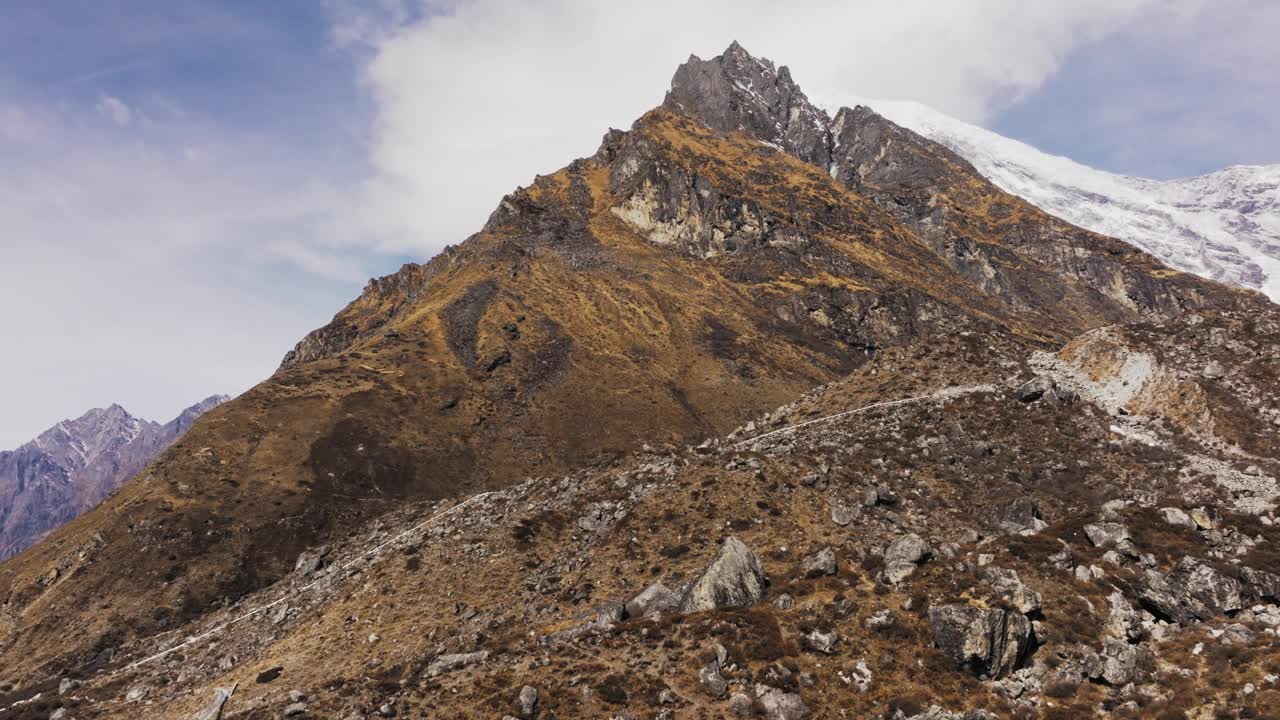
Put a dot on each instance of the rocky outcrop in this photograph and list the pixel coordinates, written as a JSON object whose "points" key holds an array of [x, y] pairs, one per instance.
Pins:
{"points": [[1193, 591], [735, 578], [992, 643]]}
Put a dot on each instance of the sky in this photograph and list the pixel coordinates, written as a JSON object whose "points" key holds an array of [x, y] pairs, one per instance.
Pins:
{"points": [[186, 189]]}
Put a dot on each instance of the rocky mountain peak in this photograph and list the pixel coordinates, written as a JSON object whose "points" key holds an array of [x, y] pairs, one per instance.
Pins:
{"points": [[73, 465], [738, 91]]}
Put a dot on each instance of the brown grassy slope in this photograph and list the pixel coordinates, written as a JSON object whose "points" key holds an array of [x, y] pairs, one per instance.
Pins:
{"points": [[558, 336], [501, 576]]}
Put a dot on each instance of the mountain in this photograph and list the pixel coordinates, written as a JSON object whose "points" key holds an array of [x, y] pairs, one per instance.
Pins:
{"points": [[1224, 225], [756, 410], [72, 466]]}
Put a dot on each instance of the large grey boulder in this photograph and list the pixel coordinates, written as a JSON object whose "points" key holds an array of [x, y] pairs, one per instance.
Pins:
{"points": [[992, 643], [910, 548], [820, 563], [735, 578], [1012, 590], [777, 704], [656, 598], [1107, 534], [1118, 663], [1193, 591]]}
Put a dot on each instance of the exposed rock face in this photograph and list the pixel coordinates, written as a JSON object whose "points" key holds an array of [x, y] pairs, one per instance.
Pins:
{"points": [[991, 642], [1194, 590], [72, 466], [737, 91], [734, 578]]}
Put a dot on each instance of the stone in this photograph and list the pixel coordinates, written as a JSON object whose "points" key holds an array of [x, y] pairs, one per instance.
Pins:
{"points": [[842, 515], [1193, 591], [1201, 518], [310, 560], [655, 599], [992, 643], [135, 694], [820, 563], [910, 548], [822, 641], [213, 711], [527, 701], [1176, 517], [1012, 590], [449, 663], [1107, 534], [67, 685], [1122, 619], [895, 573], [870, 497], [1034, 389], [777, 704], [295, 709], [1117, 664], [735, 578], [1213, 370], [59, 714], [742, 705], [784, 602], [712, 681], [880, 620]]}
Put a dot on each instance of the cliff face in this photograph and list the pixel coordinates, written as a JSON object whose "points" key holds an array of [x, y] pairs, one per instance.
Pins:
{"points": [[72, 466]]}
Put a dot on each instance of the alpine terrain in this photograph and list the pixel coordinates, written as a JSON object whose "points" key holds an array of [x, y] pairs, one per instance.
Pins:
{"points": [[1224, 225], [73, 465], [755, 412]]}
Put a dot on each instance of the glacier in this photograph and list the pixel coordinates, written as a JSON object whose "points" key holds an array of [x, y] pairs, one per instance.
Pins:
{"points": [[1224, 225]]}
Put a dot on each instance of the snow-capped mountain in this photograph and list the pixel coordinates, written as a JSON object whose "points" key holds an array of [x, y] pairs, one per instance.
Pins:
{"points": [[73, 465], [1225, 225]]}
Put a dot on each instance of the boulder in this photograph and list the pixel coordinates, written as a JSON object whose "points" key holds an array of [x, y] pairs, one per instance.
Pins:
{"points": [[655, 599], [1176, 517], [992, 643], [896, 572], [1034, 389], [735, 578], [777, 704], [742, 705], [909, 548], [712, 681], [822, 641], [1107, 534], [820, 563], [1117, 664], [1012, 590], [1193, 591], [310, 560], [527, 701]]}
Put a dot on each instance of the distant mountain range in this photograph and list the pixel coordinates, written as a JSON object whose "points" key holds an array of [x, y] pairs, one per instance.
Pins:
{"points": [[1224, 225], [73, 465]]}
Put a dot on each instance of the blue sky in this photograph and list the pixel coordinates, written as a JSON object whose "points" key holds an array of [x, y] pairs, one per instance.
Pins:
{"points": [[186, 188]]}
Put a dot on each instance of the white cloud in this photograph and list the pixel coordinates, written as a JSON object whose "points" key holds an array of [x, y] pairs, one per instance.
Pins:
{"points": [[475, 103], [115, 109]]}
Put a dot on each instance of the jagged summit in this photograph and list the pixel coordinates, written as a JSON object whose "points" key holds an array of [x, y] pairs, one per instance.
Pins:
{"points": [[737, 91]]}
